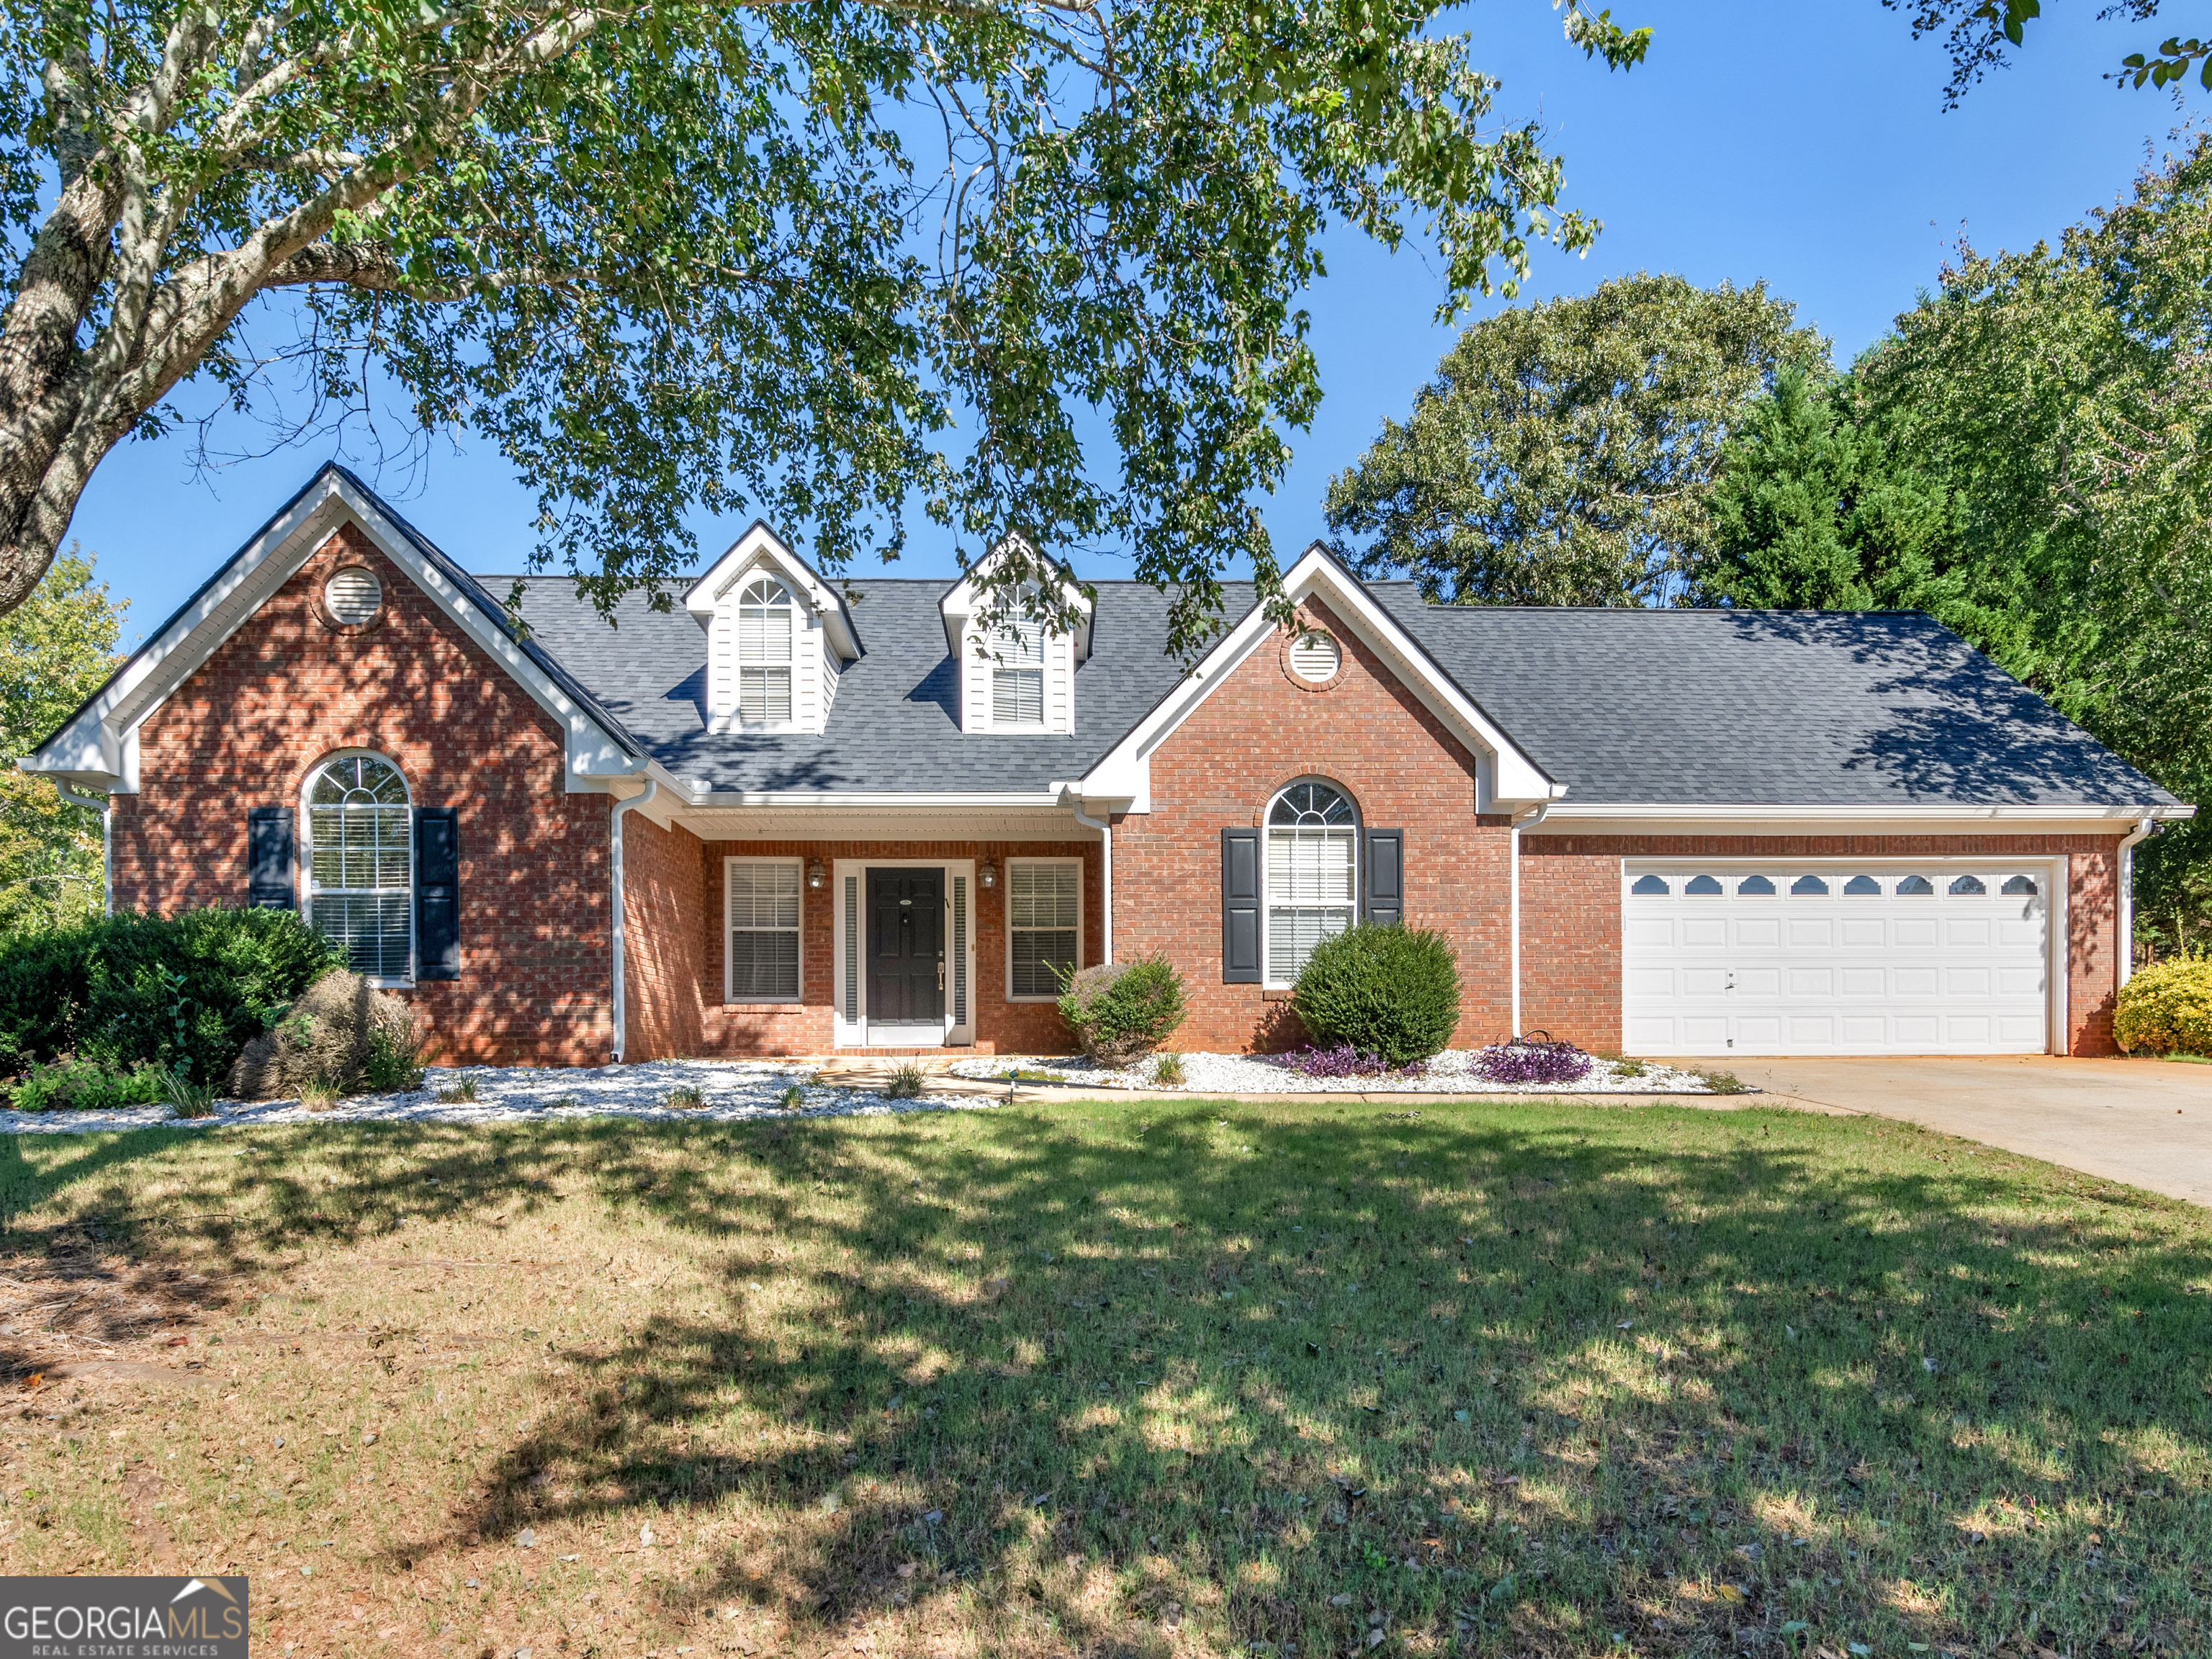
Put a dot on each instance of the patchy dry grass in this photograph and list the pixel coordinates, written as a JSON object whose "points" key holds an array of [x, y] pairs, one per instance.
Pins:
{"points": [[1117, 1379]]}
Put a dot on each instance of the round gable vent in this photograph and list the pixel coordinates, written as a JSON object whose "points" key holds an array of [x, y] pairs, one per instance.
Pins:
{"points": [[1316, 656], [353, 597]]}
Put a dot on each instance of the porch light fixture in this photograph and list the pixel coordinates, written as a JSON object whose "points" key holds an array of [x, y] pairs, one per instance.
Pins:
{"points": [[815, 874], [987, 873]]}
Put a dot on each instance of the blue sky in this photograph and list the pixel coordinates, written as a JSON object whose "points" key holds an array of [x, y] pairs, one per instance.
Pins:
{"points": [[1803, 144]]}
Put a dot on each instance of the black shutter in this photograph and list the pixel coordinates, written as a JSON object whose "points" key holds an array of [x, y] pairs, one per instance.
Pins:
{"points": [[437, 893], [269, 858], [1240, 907], [1383, 886]]}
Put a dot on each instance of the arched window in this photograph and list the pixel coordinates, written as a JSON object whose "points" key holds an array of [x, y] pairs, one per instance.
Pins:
{"points": [[1313, 874], [766, 615], [360, 886], [1018, 667]]}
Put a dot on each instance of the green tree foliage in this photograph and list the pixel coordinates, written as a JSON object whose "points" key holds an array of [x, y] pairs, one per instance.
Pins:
{"points": [[813, 262], [1981, 34], [1563, 453], [2028, 457], [56, 648]]}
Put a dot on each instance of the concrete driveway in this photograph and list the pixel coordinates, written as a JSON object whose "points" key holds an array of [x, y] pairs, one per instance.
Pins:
{"points": [[2147, 1122]]}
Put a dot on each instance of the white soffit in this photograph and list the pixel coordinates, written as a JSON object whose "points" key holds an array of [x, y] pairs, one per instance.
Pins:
{"points": [[1125, 773], [98, 744]]}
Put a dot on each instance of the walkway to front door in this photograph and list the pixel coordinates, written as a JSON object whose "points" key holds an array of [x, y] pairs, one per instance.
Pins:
{"points": [[906, 954]]}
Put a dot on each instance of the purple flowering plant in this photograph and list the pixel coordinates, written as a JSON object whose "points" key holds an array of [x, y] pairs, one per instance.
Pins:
{"points": [[1343, 1060], [1533, 1059]]}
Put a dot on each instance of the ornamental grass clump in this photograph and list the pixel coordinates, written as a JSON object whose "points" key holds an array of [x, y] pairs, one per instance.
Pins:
{"points": [[1122, 1011], [1389, 991], [1532, 1059], [2166, 1008]]}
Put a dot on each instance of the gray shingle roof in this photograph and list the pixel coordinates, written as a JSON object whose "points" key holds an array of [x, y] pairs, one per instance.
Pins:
{"points": [[1627, 707]]}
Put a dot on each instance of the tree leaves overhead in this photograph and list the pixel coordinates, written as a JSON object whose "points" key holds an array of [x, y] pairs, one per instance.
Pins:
{"points": [[1980, 36], [1031, 266], [2028, 457], [1563, 452]]}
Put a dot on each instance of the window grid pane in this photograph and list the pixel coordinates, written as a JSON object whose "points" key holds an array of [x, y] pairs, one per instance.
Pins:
{"points": [[371, 928], [1310, 866], [360, 864], [763, 901], [763, 696], [1294, 932], [1044, 910], [1017, 697]]}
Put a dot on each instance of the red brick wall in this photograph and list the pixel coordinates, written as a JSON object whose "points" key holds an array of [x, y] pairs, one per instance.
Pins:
{"points": [[288, 690], [1570, 917], [679, 1009], [663, 940], [1261, 729]]}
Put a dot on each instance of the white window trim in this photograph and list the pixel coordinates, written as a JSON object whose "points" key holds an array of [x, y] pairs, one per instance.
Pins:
{"points": [[730, 998], [759, 570], [1077, 865], [1267, 863], [305, 855]]}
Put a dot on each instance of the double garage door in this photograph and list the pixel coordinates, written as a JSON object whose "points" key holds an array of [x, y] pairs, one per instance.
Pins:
{"points": [[1812, 959]]}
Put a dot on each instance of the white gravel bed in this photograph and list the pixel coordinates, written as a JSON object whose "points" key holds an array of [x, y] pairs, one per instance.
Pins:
{"points": [[1450, 1072], [732, 1090]]}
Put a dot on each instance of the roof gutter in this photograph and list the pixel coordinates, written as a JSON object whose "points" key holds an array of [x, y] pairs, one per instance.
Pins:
{"points": [[1105, 829], [2128, 844], [622, 1002]]}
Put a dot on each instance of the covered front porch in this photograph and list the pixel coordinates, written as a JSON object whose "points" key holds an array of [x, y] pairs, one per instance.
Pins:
{"points": [[743, 939]]}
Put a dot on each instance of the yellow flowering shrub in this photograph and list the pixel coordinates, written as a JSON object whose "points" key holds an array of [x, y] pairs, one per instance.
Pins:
{"points": [[2167, 1009]]}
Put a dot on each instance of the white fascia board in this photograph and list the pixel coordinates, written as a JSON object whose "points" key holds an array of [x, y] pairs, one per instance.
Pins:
{"points": [[760, 545], [965, 597], [100, 743], [1124, 773], [1700, 817]]}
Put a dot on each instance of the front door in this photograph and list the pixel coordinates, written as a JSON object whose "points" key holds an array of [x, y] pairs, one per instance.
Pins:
{"points": [[906, 946]]}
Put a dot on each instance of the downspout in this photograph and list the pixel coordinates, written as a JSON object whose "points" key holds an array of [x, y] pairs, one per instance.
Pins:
{"points": [[1513, 884], [2128, 894], [622, 1002], [1105, 829], [102, 805]]}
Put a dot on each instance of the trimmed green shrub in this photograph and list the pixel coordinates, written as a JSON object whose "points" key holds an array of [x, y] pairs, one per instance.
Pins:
{"points": [[2166, 1008], [173, 992], [1390, 991], [1119, 1011], [86, 1085]]}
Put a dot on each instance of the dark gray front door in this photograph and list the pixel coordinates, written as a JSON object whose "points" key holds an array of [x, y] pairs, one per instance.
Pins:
{"points": [[906, 945]]}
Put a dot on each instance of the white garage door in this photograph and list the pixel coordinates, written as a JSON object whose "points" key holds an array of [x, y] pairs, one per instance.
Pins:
{"points": [[1942, 958]]}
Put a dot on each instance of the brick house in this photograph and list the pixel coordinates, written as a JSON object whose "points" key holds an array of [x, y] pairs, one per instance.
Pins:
{"points": [[785, 817]]}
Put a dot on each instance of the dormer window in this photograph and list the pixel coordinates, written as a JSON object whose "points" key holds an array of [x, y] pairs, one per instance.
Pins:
{"points": [[765, 616], [1017, 672]]}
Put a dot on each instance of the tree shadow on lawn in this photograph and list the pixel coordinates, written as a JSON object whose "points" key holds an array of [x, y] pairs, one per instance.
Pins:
{"points": [[1526, 1376]]}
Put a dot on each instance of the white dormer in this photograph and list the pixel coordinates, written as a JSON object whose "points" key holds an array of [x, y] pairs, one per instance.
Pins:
{"points": [[778, 638], [1020, 676]]}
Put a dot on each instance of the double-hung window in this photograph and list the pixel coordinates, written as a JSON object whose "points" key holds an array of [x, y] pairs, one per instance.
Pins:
{"points": [[1044, 925], [766, 617], [1017, 668], [360, 886], [1313, 874], [762, 904]]}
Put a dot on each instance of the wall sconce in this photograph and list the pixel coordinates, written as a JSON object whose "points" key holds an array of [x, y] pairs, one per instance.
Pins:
{"points": [[987, 874], [816, 875]]}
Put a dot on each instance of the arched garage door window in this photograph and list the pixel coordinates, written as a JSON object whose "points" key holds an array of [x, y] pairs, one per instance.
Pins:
{"points": [[360, 869], [1313, 874]]}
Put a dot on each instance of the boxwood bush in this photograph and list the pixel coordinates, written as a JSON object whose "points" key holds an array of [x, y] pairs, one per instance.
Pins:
{"points": [[182, 993], [1121, 1011], [2167, 1009], [1390, 991]]}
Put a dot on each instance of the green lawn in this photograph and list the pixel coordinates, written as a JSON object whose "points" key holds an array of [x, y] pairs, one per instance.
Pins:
{"points": [[1518, 1379]]}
